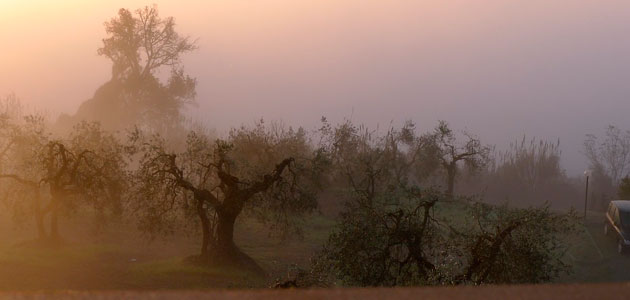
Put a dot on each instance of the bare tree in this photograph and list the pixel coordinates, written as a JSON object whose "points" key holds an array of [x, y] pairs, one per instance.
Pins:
{"points": [[612, 153], [452, 153]]}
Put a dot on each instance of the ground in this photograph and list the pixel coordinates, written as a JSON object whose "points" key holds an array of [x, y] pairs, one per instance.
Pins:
{"points": [[535, 292], [595, 257], [119, 258]]}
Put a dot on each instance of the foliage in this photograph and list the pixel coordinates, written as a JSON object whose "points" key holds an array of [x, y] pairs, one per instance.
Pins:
{"points": [[380, 244], [141, 46], [624, 189], [389, 234], [400, 245], [611, 154], [451, 153], [51, 176], [529, 171], [266, 171], [534, 164], [512, 246], [141, 43]]}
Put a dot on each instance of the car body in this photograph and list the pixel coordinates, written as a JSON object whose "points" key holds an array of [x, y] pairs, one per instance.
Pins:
{"points": [[617, 223]]}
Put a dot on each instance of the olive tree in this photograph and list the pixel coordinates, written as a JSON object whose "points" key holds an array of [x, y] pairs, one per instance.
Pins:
{"points": [[395, 232], [87, 167], [267, 171], [502, 245], [386, 235], [452, 153]]}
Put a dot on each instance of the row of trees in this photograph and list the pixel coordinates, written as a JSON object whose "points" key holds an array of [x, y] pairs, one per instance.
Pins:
{"points": [[273, 173], [394, 230]]}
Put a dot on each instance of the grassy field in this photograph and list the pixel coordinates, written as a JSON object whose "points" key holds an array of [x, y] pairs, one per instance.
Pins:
{"points": [[119, 258], [594, 256]]}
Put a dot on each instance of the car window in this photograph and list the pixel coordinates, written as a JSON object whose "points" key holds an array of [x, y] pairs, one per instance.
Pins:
{"points": [[625, 218], [616, 217]]}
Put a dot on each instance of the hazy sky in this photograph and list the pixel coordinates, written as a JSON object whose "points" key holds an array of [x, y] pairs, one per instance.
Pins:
{"points": [[549, 68]]}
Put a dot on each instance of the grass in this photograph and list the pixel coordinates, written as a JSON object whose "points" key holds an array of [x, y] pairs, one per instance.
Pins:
{"points": [[595, 257], [173, 274], [124, 261], [119, 259]]}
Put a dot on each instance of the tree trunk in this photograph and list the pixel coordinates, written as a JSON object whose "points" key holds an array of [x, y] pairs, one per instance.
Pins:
{"points": [[225, 251], [451, 173], [205, 228], [225, 235]]}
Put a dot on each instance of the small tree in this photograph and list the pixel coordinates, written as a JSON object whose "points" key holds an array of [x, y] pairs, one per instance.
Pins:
{"points": [[513, 246], [386, 234], [260, 170], [88, 167], [452, 153], [383, 244], [612, 154]]}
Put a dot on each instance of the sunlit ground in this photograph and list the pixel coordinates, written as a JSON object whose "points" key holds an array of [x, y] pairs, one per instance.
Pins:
{"points": [[120, 259]]}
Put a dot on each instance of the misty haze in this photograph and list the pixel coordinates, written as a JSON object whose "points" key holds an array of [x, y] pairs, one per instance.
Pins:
{"points": [[274, 144]]}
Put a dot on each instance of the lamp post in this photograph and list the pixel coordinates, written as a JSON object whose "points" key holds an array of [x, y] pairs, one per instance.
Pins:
{"points": [[587, 173]]}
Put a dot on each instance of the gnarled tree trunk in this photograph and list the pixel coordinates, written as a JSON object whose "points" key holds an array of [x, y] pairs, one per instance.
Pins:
{"points": [[225, 247], [205, 228]]}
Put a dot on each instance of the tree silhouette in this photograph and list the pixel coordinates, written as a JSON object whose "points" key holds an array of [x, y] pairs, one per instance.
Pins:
{"points": [[267, 172], [451, 153], [141, 44], [87, 167]]}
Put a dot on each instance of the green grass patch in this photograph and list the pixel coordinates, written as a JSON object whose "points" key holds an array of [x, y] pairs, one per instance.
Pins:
{"points": [[173, 273]]}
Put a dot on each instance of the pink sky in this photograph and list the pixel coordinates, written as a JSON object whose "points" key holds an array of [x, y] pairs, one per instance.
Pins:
{"points": [[551, 69]]}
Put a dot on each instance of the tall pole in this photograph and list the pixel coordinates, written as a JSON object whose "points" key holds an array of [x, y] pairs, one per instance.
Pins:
{"points": [[585, 197]]}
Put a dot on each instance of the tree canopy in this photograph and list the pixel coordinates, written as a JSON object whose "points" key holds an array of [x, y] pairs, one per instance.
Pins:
{"points": [[141, 45], [267, 172]]}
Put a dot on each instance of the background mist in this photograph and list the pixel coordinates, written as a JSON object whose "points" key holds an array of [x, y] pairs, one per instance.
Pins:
{"points": [[550, 69]]}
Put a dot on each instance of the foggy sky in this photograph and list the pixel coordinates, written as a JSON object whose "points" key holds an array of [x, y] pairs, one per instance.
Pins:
{"points": [[549, 69]]}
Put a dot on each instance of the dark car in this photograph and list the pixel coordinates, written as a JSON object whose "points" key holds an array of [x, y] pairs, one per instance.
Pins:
{"points": [[617, 223]]}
